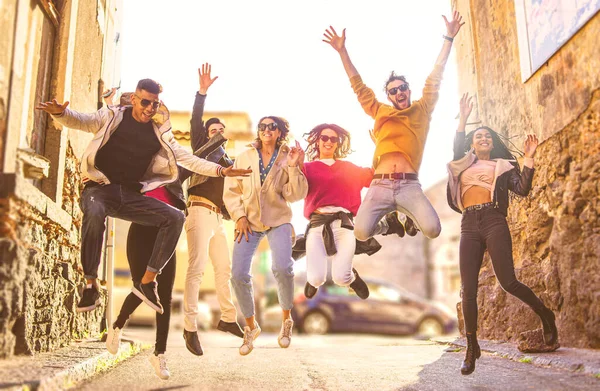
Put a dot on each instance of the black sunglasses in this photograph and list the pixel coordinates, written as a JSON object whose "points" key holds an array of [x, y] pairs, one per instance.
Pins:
{"points": [[272, 126], [394, 91], [147, 102], [325, 138]]}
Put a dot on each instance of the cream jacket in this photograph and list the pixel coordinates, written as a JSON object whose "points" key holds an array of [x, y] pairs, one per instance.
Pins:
{"points": [[268, 205], [163, 167]]}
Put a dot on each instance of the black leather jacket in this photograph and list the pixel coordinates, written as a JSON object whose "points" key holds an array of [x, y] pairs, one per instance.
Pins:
{"points": [[509, 179]]}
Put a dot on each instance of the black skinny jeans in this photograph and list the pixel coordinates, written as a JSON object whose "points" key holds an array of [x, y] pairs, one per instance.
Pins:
{"points": [[140, 242], [481, 229]]}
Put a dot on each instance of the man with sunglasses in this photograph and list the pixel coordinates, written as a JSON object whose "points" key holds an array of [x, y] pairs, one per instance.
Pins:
{"points": [[400, 132], [133, 151]]}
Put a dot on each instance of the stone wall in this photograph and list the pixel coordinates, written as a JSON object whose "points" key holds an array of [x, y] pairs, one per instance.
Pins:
{"points": [[41, 276], [555, 230]]}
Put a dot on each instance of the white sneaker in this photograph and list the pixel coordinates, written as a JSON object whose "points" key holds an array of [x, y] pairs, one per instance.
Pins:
{"points": [[113, 340], [285, 335], [249, 337], [160, 366]]}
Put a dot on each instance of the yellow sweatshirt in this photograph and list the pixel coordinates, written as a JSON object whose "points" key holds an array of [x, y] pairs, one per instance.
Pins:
{"points": [[403, 131]]}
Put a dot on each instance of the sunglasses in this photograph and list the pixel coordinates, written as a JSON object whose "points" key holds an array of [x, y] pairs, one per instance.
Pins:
{"points": [[334, 139], [394, 91], [263, 127], [147, 102]]}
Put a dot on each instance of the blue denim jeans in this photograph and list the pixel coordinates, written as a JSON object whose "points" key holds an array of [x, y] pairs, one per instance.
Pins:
{"points": [[98, 202], [403, 195], [280, 241]]}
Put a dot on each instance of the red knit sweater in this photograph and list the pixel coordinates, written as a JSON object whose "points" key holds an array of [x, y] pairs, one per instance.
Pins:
{"points": [[336, 185]]}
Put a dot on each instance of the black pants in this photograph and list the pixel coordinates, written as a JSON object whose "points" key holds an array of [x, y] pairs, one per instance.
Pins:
{"points": [[140, 242], [480, 230]]}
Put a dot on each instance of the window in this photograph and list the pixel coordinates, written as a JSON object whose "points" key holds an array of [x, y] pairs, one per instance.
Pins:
{"points": [[41, 37]]}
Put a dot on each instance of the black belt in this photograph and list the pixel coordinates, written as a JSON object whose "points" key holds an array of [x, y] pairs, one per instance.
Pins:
{"points": [[397, 175], [471, 208]]}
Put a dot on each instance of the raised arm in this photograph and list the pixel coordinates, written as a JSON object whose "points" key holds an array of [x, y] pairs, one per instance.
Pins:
{"points": [[339, 44], [297, 186], [520, 183], [466, 107], [198, 133], [365, 95], [452, 28], [434, 80]]}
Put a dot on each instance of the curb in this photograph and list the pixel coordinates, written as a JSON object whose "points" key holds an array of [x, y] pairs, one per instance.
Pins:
{"points": [[585, 361], [74, 373]]}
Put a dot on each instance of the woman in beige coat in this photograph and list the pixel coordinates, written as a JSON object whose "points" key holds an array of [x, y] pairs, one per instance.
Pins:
{"points": [[259, 205]]}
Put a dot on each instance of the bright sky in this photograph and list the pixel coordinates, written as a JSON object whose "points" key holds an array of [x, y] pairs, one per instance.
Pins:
{"points": [[270, 60]]}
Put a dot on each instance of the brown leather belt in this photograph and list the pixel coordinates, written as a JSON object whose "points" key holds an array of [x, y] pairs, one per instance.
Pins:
{"points": [[397, 175], [205, 205]]}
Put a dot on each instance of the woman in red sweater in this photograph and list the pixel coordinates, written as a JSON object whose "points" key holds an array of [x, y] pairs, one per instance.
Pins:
{"points": [[333, 199]]}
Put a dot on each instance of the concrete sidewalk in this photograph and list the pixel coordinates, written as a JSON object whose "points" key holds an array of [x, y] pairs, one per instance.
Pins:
{"points": [[577, 360], [65, 367]]}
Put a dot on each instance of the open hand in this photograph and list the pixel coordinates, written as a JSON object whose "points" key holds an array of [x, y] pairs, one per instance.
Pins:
{"points": [[230, 171], [337, 42], [242, 228], [296, 155], [466, 107], [453, 26], [531, 144], [204, 78], [52, 107]]}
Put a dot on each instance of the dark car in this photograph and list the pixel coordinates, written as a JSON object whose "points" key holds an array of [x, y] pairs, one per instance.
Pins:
{"points": [[388, 310]]}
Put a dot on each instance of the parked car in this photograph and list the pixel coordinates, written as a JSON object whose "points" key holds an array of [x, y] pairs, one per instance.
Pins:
{"points": [[388, 310], [146, 316]]}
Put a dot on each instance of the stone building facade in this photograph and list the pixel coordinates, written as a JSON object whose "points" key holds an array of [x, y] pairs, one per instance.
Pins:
{"points": [[556, 229], [68, 50]]}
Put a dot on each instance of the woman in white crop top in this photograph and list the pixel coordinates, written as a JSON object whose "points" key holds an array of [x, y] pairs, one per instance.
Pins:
{"points": [[478, 185]]}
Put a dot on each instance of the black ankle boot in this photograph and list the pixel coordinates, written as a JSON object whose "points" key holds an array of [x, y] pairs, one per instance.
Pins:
{"points": [[473, 353], [394, 225], [549, 325]]}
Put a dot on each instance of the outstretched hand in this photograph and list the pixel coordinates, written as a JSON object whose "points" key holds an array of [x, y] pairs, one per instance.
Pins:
{"points": [[230, 171], [466, 107], [453, 26], [52, 107], [337, 42], [204, 78], [296, 155], [530, 145]]}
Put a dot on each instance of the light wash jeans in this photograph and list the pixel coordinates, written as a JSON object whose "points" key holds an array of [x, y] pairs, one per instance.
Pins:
{"points": [[206, 238], [280, 241], [341, 262], [403, 195]]}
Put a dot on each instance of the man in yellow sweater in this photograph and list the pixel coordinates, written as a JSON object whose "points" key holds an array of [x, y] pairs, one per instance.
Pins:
{"points": [[400, 132]]}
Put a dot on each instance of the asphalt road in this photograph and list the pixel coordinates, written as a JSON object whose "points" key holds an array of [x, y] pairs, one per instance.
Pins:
{"points": [[335, 362]]}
